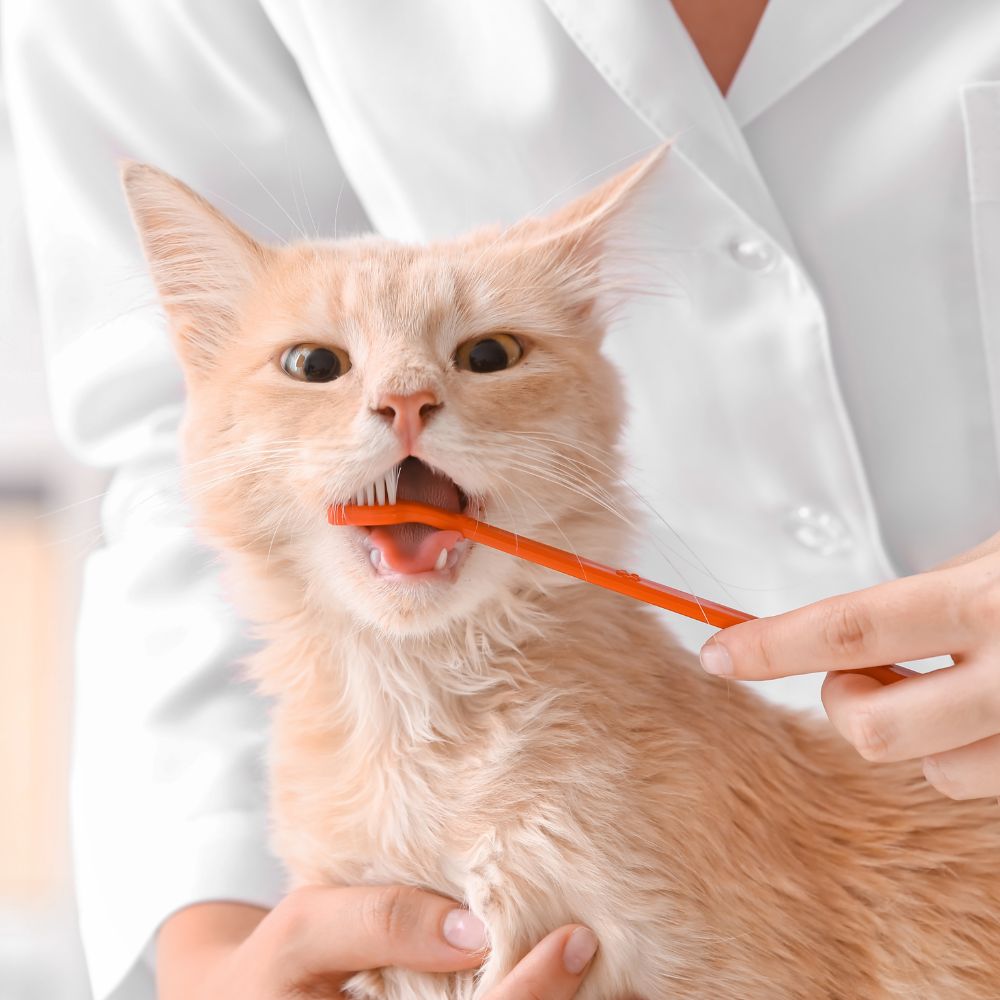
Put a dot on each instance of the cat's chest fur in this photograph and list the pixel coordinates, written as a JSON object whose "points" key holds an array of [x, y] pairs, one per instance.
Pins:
{"points": [[351, 806]]}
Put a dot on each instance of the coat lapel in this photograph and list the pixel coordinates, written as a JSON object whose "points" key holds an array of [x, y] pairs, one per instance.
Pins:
{"points": [[645, 54], [793, 40]]}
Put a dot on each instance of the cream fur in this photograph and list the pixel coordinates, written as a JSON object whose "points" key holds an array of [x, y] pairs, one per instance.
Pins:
{"points": [[536, 747]]}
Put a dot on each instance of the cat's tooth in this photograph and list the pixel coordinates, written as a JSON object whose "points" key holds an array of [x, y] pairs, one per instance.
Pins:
{"points": [[380, 490], [370, 493], [376, 557], [441, 559], [391, 482]]}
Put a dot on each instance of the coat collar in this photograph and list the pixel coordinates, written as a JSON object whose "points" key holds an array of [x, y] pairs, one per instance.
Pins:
{"points": [[645, 54], [793, 40]]}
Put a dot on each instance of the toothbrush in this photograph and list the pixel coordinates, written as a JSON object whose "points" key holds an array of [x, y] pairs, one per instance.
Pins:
{"points": [[619, 580]]}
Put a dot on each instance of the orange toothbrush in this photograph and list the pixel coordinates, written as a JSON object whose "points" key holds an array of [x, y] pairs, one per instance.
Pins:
{"points": [[619, 580]]}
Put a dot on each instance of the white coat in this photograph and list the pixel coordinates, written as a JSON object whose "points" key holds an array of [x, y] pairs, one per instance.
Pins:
{"points": [[815, 407]]}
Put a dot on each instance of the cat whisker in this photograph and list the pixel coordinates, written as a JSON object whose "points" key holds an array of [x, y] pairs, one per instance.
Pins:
{"points": [[696, 561], [274, 534], [166, 498], [598, 496], [587, 494], [524, 493], [172, 472]]}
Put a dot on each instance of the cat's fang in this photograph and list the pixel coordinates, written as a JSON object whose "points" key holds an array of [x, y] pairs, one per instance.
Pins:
{"points": [[376, 557], [441, 559]]}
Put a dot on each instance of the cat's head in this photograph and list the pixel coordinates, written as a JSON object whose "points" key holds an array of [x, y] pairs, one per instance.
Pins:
{"points": [[467, 374]]}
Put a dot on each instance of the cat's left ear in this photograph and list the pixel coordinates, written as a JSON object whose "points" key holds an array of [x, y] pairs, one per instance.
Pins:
{"points": [[583, 238], [202, 264], [589, 216]]}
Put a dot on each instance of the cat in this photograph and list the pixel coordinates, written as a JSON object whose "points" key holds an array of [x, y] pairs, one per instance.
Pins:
{"points": [[452, 718]]}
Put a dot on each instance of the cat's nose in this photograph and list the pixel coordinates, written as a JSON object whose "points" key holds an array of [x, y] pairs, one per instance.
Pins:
{"points": [[409, 414]]}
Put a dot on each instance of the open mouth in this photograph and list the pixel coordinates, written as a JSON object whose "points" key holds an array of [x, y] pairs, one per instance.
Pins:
{"points": [[411, 548]]}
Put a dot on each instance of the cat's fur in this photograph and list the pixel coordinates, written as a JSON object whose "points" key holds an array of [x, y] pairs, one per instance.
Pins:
{"points": [[534, 746]]}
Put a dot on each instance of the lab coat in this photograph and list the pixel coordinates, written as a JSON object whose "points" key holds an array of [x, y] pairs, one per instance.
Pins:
{"points": [[814, 389]]}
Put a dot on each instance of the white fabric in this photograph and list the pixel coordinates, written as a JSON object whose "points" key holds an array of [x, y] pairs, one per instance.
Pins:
{"points": [[828, 235]]}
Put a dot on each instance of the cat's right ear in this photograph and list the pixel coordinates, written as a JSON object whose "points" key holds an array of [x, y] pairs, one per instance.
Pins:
{"points": [[202, 264]]}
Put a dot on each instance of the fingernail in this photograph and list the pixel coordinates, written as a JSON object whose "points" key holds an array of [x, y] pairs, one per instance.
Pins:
{"points": [[464, 930], [715, 659], [932, 770], [579, 950]]}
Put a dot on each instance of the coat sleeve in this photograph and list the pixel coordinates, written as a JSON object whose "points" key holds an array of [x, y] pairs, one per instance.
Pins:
{"points": [[168, 794]]}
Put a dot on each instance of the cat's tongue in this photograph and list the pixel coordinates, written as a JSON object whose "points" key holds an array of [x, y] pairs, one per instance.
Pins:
{"points": [[416, 548]]}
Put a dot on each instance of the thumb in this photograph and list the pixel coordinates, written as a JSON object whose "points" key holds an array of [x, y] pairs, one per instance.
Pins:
{"points": [[330, 931], [987, 548], [554, 968]]}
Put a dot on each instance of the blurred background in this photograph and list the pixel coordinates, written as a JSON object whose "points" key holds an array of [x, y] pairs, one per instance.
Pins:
{"points": [[48, 523]]}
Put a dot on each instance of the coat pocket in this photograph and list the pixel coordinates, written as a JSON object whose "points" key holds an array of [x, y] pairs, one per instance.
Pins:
{"points": [[981, 120]]}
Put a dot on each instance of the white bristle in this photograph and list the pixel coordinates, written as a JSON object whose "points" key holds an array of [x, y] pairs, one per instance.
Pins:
{"points": [[370, 493], [391, 482], [359, 498], [380, 490]]}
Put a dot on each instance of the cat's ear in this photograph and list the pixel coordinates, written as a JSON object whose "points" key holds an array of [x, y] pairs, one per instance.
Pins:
{"points": [[588, 237], [202, 264], [589, 217]]}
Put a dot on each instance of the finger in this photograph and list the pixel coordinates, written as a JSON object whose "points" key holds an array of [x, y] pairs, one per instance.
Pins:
{"points": [[904, 619], [970, 772], [925, 714], [339, 930], [986, 548], [553, 969]]}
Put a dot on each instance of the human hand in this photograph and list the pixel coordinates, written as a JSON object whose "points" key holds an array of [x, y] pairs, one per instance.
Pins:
{"points": [[950, 717], [315, 939]]}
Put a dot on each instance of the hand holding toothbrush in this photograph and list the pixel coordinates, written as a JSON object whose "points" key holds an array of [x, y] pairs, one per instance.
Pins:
{"points": [[949, 718]]}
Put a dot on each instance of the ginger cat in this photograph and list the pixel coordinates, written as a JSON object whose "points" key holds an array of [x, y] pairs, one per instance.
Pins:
{"points": [[452, 718]]}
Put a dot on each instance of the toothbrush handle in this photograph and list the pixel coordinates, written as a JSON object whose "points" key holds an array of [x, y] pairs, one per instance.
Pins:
{"points": [[620, 581], [632, 585]]}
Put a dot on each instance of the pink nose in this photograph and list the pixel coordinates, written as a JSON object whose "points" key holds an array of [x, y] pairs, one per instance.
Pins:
{"points": [[408, 414]]}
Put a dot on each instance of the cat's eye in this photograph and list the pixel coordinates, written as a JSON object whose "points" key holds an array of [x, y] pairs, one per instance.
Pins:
{"points": [[492, 353], [315, 363]]}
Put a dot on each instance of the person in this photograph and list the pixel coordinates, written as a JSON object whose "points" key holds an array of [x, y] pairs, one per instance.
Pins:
{"points": [[814, 405]]}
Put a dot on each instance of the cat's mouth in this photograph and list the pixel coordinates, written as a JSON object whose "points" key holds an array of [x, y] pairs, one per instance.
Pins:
{"points": [[413, 549]]}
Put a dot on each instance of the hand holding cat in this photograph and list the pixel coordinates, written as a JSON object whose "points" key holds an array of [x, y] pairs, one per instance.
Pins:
{"points": [[316, 938], [949, 718]]}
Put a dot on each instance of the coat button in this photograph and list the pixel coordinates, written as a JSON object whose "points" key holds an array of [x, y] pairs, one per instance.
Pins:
{"points": [[819, 530], [754, 255]]}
